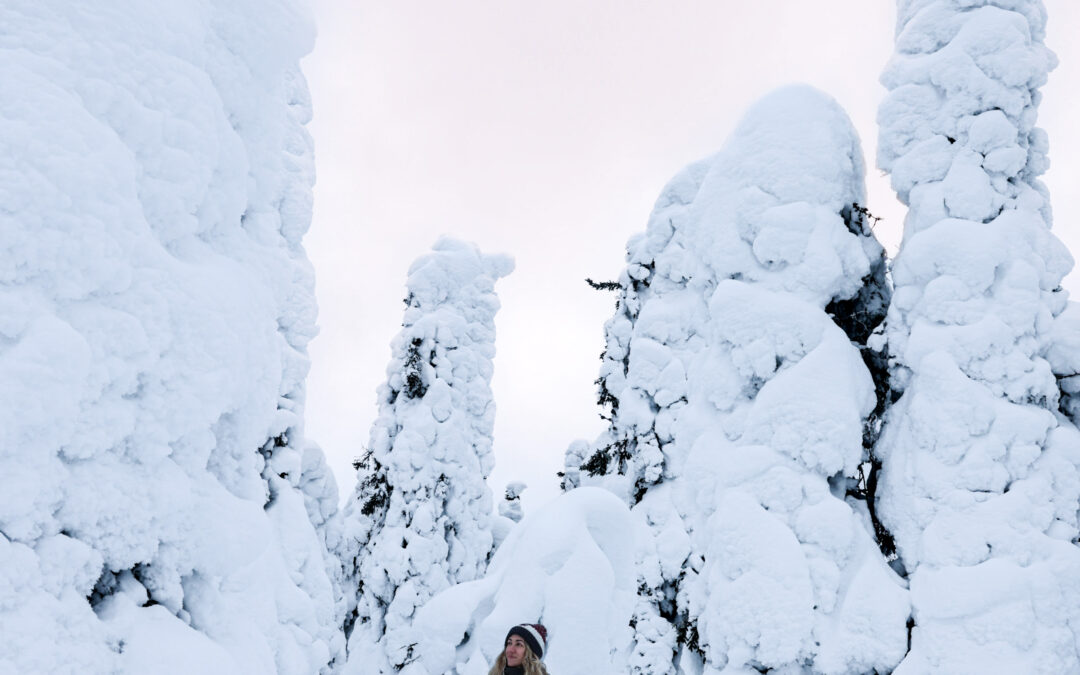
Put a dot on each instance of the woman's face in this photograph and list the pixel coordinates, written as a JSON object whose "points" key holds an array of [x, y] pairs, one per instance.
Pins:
{"points": [[515, 651]]}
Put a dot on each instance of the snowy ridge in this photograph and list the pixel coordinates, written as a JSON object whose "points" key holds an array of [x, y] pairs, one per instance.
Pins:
{"points": [[419, 520], [156, 306], [980, 481], [738, 407]]}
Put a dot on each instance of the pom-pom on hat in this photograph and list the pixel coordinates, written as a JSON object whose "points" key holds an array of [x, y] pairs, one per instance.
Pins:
{"points": [[533, 634]]}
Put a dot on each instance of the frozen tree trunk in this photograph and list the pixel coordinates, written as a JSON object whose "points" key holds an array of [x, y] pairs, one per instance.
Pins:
{"points": [[419, 520], [738, 400], [980, 481], [157, 304]]}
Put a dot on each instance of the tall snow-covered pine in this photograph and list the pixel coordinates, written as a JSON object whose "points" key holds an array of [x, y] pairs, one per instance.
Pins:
{"points": [[157, 303], [419, 520], [980, 483]]}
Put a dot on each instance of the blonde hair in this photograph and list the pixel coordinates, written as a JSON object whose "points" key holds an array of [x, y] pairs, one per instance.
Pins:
{"points": [[533, 665]]}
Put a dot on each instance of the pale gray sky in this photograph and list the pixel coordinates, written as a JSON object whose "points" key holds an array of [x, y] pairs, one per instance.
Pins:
{"points": [[545, 130]]}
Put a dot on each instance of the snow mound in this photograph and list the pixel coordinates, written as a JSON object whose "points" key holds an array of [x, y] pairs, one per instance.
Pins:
{"points": [[569, 566], [156, 306]]}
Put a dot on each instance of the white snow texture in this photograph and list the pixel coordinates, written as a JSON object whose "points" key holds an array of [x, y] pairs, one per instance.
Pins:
{"points": [[980, 483], [155, 307]]}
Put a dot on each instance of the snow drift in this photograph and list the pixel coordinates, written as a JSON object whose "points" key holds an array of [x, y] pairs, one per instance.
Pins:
{"points": [[156, 305], [569, 566]]}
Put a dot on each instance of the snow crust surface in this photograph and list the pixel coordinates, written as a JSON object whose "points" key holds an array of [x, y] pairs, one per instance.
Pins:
{"points": [[155, 307]]}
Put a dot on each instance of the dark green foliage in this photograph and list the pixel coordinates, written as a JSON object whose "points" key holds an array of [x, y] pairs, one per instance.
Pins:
{"points": [[638, 285], [409, 656], [350, 619], [139, 572], [414, 380], [866, 490], [598, 463], [604, 285], [687, 631], [860, 315], [442, 487], [375, 490], [640, 488], [877, 362], [376, 493], [414, 386], [666, 601], [859, 220], [605, 399]]}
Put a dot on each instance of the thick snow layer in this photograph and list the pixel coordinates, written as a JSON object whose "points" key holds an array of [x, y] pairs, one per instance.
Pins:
{"points": [[981, 474], [738, 406], [420, 518], [156, 305], [569, 566]]}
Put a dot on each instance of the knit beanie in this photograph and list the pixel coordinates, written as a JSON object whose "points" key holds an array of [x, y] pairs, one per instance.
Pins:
{"points": [[533, 634]]}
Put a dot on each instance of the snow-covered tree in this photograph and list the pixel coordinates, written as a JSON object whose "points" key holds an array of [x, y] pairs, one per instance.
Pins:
{"points": [[738, 406], [320, 492], [157, 304], [980, 483], [419, 519], [510, 506]]}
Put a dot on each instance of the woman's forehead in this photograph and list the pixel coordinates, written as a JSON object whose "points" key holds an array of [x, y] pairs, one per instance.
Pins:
{"points": [[514, 637]]}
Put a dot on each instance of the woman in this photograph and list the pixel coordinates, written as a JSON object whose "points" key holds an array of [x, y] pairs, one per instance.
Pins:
{"points": [[523, 648]]}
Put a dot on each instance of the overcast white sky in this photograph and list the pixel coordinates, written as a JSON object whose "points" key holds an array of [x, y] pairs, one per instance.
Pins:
{"points": [[546, 130]]}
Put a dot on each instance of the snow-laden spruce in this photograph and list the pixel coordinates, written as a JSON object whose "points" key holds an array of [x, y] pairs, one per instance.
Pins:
{"points": [[738, 406], [420, 518], [156, 305], [980, 482], [510, 506]]}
